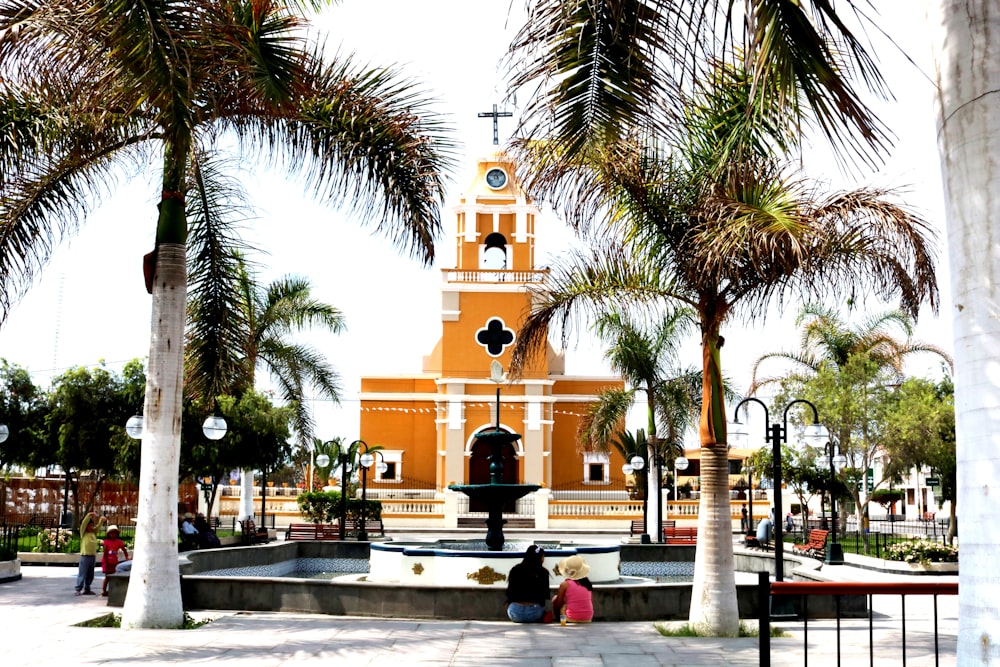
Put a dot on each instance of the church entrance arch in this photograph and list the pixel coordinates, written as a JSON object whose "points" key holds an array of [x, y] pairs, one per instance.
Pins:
{"points": [[479, 470]]}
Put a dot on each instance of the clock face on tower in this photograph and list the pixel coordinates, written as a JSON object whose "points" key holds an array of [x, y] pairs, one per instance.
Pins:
{"points": [[496, 178]]}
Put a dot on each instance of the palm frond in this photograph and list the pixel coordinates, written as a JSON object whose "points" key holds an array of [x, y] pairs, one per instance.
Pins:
{"points": [[365, 138], [603, 419]]}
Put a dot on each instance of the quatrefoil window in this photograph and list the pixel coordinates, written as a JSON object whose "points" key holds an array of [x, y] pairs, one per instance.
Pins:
{"points": [[495, 336]]}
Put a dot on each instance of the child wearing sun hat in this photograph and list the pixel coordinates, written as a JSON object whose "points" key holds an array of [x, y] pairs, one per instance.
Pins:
{"points": [[575, 596], [112, 545]]}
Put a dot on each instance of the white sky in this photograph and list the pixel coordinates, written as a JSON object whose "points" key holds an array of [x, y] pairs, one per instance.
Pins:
{"points": [[90, 303]]}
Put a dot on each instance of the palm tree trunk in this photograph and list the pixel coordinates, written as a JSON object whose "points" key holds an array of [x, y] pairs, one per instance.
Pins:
{"points": [[714, 610], [154, 596], [968, 73]]}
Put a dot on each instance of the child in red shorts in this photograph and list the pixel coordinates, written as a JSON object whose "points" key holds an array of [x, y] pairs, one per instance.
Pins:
{"points": [[109, 561]]}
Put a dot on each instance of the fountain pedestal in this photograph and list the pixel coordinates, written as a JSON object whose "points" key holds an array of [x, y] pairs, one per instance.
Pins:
{"points": [[495, 494]]}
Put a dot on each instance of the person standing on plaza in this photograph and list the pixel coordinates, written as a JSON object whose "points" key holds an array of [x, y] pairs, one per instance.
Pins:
{"points": [[744, 520], [88, 552], [113, 549], [528, 587]]}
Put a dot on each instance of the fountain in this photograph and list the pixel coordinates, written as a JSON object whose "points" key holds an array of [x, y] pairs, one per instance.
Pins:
{"points": [[495, 494]]}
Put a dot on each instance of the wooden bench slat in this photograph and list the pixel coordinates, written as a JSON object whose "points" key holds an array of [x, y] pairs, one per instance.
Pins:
{"points": [[682, 535]]}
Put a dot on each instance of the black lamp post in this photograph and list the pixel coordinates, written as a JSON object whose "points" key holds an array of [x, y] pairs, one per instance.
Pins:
{"points": [[366, 460], [342, 458], [637, 464], [835, 554], [776, 435]]}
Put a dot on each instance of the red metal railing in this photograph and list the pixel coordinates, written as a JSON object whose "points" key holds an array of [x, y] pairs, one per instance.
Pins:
{"points": [[803, 590]]}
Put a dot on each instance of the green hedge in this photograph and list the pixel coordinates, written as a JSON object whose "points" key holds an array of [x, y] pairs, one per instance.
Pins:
{"points": [[324, 507]]}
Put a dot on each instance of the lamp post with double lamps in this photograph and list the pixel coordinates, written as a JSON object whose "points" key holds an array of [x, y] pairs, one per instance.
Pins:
{"points": [[634, 465], [777, 434], [836, 462], [366, 460], [342, 459]]}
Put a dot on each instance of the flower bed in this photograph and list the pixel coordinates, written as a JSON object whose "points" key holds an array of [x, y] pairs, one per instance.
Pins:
{"points": [[922, 551]]}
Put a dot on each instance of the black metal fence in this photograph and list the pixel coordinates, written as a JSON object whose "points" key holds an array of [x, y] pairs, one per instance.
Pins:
{"points": [[804, 590], [881, 534]]}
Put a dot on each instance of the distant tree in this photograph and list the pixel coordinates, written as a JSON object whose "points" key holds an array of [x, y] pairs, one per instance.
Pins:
{"points": [[86, 419], [22, 409], [921, 432], [646, 356]]}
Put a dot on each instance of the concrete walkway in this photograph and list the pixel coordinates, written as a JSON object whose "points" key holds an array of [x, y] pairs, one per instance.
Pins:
{"points": [[37, 614]]}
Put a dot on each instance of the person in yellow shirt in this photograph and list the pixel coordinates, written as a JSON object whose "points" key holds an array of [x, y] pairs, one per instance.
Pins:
{"points": [[88, 552]]}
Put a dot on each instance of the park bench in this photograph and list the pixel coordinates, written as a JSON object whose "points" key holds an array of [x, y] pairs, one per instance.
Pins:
{"points": [[313, 531], [639, 526], [43, 522], [371, 526], [252, 534], [682, 535], [816, 545]]}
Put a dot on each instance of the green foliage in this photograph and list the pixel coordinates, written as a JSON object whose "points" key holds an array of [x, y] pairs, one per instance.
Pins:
{"points": [[256, 437], [88, 409], [22, 410], [686, 630], [115, 621], [54, 540], [885, 497], [922, 551], [920, 430], [324, 507], [319, 506]]}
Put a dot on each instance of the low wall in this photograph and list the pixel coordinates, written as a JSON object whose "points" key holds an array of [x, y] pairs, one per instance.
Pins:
{"points": [[10, 570], [612, 602]]}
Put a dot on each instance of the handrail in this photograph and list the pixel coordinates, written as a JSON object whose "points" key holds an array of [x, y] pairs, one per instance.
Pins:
{"points": [[804, 589], [864, 588]]}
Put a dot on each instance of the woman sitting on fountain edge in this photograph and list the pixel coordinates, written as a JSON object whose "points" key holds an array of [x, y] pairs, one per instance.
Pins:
{"points": [[528, 587]]}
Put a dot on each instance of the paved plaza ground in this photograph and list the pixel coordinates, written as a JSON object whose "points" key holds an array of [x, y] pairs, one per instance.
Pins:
{"points": [[37, 615]]}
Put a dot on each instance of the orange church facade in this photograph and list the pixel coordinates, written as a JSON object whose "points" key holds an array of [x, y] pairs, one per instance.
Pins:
{"points": [[426, 423]]}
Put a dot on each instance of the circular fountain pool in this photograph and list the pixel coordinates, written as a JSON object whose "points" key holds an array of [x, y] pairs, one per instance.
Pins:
{"points": [[472, 563]]}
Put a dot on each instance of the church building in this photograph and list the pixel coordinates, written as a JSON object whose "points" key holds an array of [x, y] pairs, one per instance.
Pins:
{"points": [[426, 423]]}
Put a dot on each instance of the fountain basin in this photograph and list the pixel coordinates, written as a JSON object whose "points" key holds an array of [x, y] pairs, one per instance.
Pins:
{"points": [[473, 563]]}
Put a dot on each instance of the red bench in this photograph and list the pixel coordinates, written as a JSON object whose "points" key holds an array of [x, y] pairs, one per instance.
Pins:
{"points": [[313, 531], [682, 535], [816, 546]]}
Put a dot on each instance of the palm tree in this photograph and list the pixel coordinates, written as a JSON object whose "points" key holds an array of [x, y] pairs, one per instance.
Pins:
{"points": [[603, 63], [603, 67], [646, 358], [90, 87], [968, 129], [720, 224], [237, 326], [827, 338]]}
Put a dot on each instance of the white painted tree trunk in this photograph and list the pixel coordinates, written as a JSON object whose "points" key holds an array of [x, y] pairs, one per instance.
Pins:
{"points": [[246, 494], [968, 75], [652, 515], [154, 592], [714, 608]]}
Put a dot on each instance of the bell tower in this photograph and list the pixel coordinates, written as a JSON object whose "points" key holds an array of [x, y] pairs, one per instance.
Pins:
{"points": [[428, 423]]}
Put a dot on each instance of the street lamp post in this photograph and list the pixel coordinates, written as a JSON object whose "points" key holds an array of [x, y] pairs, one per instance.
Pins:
{"points": [[835, 554], [366, 459], [342, 459], [637, 463], [777, 434], [680, 464]]}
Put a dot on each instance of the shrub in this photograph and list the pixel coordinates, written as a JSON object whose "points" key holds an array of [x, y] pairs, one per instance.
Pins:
{"points": [[54, 540], [922, 551], [319, 506]]}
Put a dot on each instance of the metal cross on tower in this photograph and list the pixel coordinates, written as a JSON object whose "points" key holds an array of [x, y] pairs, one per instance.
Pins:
{"points": [[495, 115]]}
